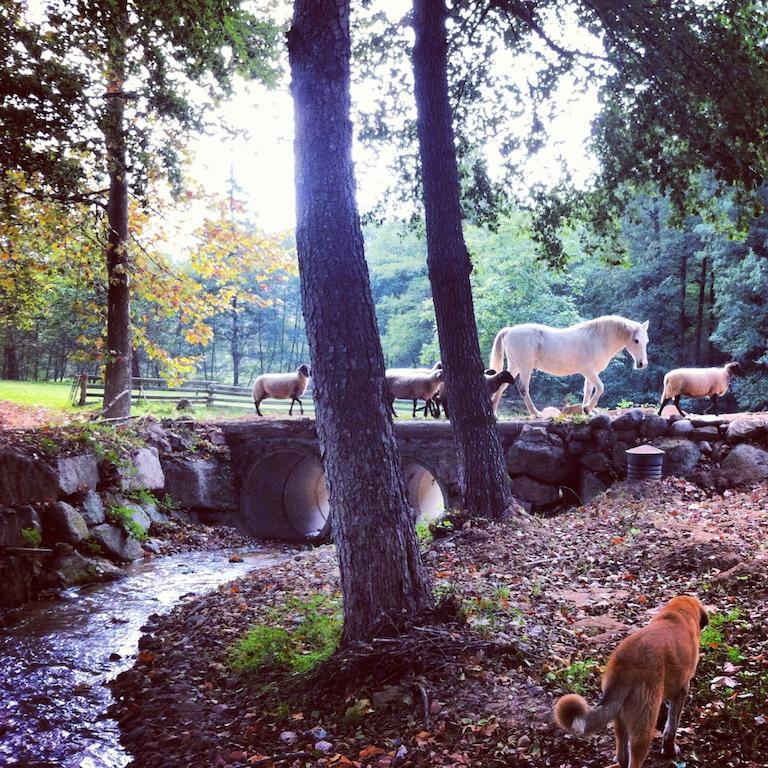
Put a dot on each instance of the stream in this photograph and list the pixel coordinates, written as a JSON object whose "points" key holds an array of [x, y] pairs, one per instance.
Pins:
{"points": [[56, 657]]}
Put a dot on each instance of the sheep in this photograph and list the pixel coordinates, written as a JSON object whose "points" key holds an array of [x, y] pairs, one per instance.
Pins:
{"points": [[281, 385], [493, 381], [697, 382], [413, 384]]}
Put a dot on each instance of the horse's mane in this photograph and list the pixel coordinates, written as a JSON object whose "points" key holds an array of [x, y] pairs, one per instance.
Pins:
{"points": [[609, 326]]}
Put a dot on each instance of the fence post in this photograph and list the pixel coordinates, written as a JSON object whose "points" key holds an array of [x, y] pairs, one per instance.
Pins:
{"points": [[209, 401]]}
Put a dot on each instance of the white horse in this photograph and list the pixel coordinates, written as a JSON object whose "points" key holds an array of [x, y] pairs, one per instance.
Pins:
{"points": [[584, 348]]}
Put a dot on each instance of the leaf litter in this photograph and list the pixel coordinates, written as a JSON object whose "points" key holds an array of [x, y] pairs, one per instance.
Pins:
{"points": [[528, 609]]}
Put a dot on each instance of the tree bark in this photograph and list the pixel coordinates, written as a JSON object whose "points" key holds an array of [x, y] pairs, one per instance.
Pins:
{"points": [[117, 378], [700, 310], [382, 577], [235, 344], [485, 484], [683, 275]]}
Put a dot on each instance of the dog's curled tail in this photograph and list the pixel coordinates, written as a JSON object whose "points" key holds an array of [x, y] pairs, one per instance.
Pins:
{"points": [[572, 713]]}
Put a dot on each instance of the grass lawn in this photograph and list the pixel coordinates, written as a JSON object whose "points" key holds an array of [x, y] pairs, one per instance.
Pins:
{"points": [[38, 393]]}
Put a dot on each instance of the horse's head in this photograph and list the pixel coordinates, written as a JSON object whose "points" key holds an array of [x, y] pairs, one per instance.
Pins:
{"points": [[638, 343]]}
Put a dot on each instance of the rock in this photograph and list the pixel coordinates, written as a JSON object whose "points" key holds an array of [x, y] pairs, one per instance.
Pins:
{"points": [[654, 426], [706, 447], [144, 473], [630, 420], [13, 524], [590, 486], [539, 454], [138, 515], [550, 412], [582, 432], [17, 575], [74, 569], [117, 544], [92, 508], [745, 464], [601, 421], [626, 436], [24, 479], [77, 473], [740, 430], [62, 522], [681, 456], [680, 428], [704, 433], [534, 492], [597, 462], [577, 447], [196, 483], [602, 438]]}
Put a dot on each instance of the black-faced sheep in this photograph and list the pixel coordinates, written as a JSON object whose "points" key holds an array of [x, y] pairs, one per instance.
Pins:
{"points": [[493, 381], [281, 385], [697, 382], [413, 384]]}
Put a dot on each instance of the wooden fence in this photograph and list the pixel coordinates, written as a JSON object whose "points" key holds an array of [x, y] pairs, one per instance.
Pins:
{"points": [[89, 390]]}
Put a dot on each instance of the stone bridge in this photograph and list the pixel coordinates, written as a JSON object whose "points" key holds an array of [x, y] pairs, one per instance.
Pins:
{"points": [[280, 488]]}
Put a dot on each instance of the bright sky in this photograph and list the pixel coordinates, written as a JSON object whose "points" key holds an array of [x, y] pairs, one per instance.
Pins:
{"points": [[263, 162]]}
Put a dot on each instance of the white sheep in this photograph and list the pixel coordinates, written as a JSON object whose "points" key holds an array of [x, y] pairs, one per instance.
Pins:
{"points": [[413, 384], [697, 382], [281, 385], [493, 381]]}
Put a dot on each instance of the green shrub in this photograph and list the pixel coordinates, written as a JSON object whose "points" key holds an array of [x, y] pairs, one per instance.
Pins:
{"points": [[32, 536], [298, 649], [124, 517]]}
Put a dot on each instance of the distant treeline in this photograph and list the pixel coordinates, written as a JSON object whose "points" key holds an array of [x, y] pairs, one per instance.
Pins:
{"points": [[702, 286]]}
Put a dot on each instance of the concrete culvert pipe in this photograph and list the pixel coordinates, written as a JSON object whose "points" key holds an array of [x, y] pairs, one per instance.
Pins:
{"points": [[285, 497], [424, 492]]}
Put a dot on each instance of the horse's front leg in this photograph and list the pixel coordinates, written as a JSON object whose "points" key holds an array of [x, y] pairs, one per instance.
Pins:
{"points": [[588, 392], [594, 380]]}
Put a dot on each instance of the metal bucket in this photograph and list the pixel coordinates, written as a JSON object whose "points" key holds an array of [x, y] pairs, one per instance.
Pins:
{"points": [[644, 463]]}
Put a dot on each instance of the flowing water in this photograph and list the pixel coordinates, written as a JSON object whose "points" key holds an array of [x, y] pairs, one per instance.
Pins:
{"points": [[57, 656]]}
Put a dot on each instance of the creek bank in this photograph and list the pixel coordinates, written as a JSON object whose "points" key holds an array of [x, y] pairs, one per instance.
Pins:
{"points": [[565, 588], [79, 503]]}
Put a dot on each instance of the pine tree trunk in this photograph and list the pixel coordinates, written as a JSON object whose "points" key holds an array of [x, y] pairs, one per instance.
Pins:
{"points": [[117, 379], [700, 310], [382, 577], [484, 479], [683, 275]]}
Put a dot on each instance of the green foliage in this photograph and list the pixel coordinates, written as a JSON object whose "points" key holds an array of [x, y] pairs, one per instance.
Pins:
{"points": [[124, 517], [294, 638], [576, 676], [424, 532], [32, 536], [92, 547]]}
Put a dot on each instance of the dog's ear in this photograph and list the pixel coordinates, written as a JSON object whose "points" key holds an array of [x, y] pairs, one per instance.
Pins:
{"points": [[703, 618]]}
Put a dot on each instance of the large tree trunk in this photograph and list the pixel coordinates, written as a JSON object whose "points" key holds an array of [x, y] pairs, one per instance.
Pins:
{"points": [[683, 281], [700, 310], [117, 379], [484, 479], [382, 577]]}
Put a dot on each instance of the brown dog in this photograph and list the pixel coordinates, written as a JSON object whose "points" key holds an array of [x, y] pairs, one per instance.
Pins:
{"points": [[651, 666]]}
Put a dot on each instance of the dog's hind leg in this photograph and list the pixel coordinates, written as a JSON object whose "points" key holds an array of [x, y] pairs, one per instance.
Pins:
{"points": [[622, 742], [639, 748], [674, 708]]}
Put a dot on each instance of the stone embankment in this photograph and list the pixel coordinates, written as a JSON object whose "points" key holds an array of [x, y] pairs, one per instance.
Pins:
{"points": [[554, 462], [69, 517]]}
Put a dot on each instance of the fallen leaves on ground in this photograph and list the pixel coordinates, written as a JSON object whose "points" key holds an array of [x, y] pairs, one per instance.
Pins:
{"points": [[563, 590]]}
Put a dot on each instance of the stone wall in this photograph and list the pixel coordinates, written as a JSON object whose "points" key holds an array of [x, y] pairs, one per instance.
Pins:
{"points": [[76, 518], [553, 462]]}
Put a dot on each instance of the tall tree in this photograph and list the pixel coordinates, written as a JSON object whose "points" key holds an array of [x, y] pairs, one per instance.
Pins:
{"points": [[382, 577], [128, 68], [485, 481]]}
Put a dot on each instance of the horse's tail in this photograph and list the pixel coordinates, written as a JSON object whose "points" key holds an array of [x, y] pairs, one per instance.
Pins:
{"points": [[497, 363]]}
